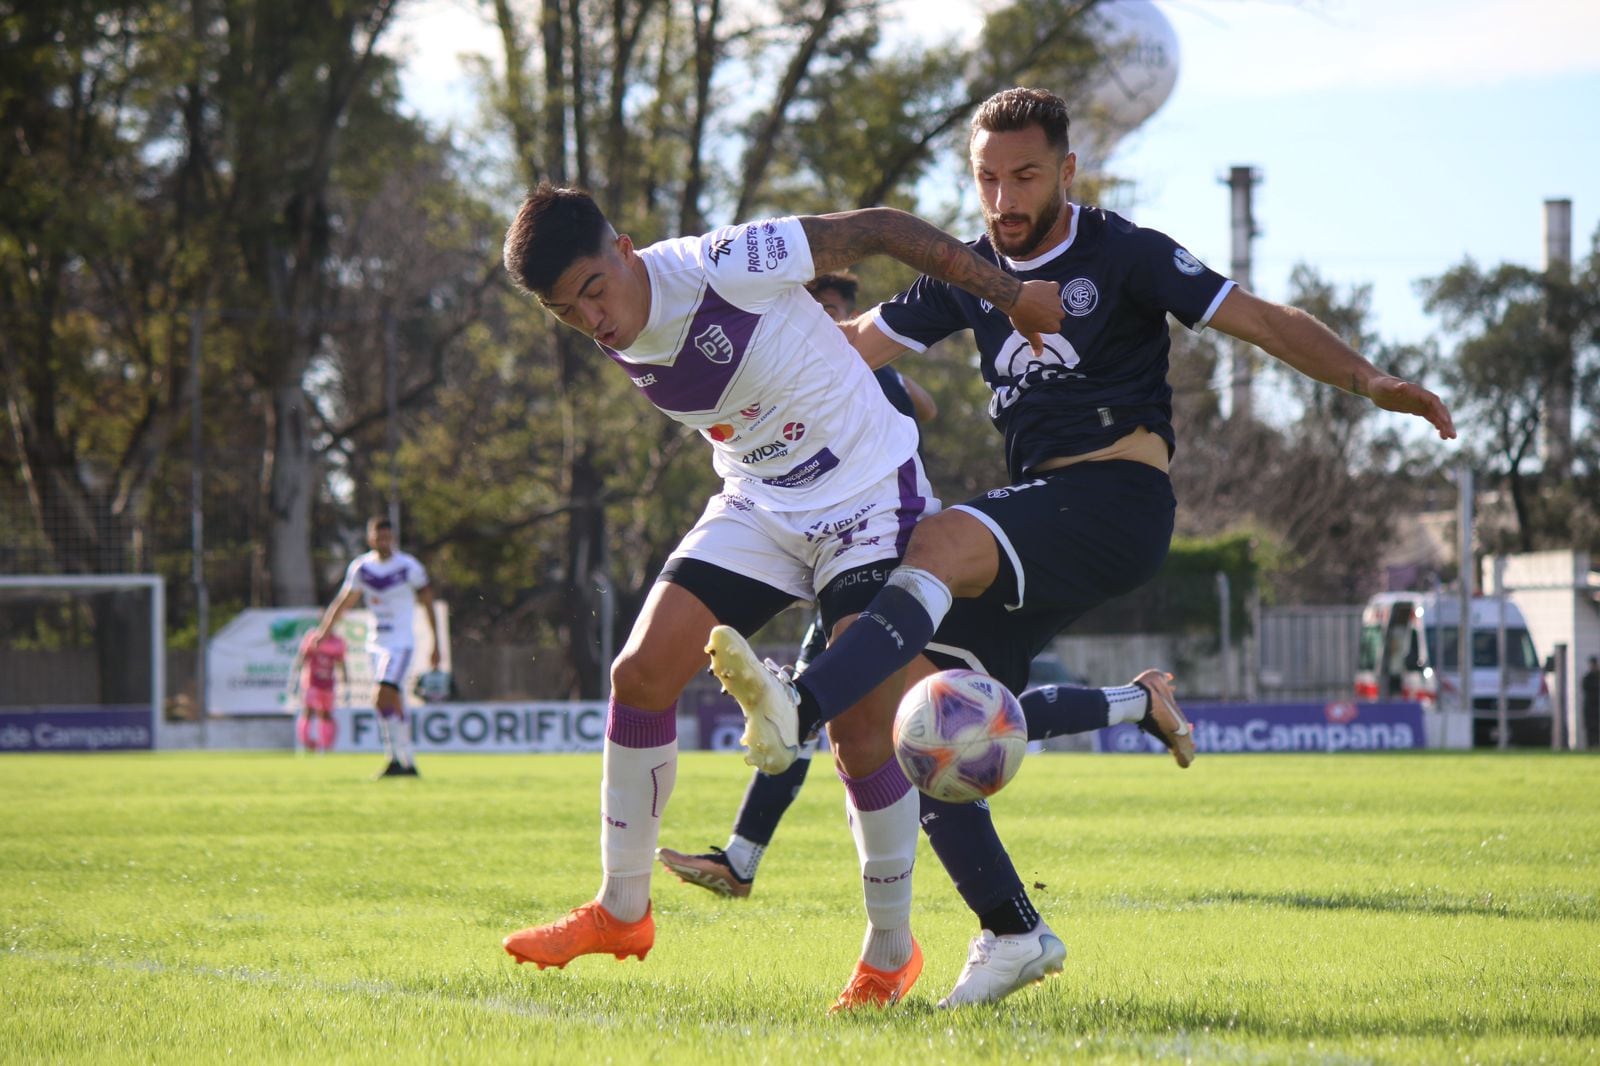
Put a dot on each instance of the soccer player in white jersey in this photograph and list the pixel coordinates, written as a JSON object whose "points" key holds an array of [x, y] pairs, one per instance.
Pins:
{"points": [[392, 582], [821, 487]]}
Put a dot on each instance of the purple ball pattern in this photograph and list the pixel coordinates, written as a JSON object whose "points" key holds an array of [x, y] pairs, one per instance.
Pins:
{"points": [[960, 735]]}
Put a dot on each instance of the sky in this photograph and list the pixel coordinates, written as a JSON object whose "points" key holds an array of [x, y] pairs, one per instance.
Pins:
{"points": [[1394, 138]]}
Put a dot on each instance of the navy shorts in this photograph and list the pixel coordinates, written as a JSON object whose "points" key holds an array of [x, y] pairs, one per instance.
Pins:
{"points": [[1069, 540]]}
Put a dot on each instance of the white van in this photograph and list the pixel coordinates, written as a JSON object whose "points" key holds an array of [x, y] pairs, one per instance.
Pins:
{"points": [[1410, 644]]}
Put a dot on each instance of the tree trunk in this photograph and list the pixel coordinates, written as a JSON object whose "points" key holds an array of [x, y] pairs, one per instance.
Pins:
{"points": [[290, 487]]}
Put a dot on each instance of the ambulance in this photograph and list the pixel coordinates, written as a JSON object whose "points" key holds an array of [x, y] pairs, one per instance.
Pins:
{"points": [[1410, 646]]}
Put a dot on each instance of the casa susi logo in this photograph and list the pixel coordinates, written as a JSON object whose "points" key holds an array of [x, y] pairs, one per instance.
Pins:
{"points": [[714, 344], [722, 431], [793, 430], [1079, 297], [1186, 263], [719, 248]]}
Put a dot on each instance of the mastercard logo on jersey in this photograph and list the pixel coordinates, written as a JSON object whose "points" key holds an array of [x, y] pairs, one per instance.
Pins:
{"points": [[722, 431]]}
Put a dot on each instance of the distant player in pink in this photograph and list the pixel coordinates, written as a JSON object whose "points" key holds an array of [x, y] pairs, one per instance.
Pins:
{"points": [[318, 658]]}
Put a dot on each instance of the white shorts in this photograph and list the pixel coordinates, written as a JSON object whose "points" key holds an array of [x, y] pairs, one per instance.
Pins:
{"points": [[799, 552], [389, 665]]}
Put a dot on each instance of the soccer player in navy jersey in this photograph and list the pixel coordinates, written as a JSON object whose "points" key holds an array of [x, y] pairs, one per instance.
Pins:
{"points": [[1058, 709], [1089, 512]]}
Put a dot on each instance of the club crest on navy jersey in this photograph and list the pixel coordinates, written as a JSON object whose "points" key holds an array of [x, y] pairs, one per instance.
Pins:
{"points": [[1079, 297]]}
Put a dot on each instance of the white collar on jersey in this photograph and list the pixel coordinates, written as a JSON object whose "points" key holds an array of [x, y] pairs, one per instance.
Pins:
{"points": [[1041, 260]]}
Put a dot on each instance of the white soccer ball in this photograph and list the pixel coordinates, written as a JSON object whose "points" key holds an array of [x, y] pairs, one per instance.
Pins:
{"points": [[959, 735]]}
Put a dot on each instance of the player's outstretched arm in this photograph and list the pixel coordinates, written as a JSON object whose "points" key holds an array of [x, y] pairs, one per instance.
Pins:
{"points": [[1300, 340], [840, 239], [341, 603]]}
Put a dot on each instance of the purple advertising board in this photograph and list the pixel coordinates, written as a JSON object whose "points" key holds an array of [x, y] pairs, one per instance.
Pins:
{"points": [[1271, 727], [120, 727]]}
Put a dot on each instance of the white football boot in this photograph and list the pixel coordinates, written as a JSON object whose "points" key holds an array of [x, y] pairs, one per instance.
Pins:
{"points": [[999, 965], [766, 696]]}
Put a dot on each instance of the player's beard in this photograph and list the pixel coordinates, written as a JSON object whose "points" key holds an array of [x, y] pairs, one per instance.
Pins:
{"points": [[1029, 244]]}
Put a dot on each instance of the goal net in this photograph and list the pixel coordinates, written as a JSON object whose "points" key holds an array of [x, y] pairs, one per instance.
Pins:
{"points": [[82, 661]]}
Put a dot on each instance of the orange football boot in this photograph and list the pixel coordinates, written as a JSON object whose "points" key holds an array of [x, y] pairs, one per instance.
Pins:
{"points": [[586, 930], [872, 987]]}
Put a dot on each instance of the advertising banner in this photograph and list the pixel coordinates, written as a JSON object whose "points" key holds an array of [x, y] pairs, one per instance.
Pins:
{"points": [[248, 660], [513, 726], [1270, 727], [120, 727]]}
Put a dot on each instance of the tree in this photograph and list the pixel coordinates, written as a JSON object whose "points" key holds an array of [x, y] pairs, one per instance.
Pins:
{"points": [[1520, 338]]}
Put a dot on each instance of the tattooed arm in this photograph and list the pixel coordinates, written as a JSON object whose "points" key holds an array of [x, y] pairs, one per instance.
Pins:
{"points": [[841, 239], [1298, 339]]}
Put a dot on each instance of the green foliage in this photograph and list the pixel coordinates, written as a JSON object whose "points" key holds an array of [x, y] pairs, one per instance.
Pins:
{"points": [[1522, 339], [1395, 908]]}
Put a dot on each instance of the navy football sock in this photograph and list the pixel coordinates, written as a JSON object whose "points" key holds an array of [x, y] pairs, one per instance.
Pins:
{"points": [[1056, 710], [766, 800], [891, 632], [964, 838]]}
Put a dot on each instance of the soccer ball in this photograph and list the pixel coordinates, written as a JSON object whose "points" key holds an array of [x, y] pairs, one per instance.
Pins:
{"points": [[959, 735]]}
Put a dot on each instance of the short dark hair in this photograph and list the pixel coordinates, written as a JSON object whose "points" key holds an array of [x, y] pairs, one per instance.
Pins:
{"points": [[1019, 108], [554, 228], [377, 522], [842, 282]]}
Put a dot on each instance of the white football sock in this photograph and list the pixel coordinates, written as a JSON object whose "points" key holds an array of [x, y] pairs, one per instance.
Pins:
{"points": [[744, 855], [640, 765], [886, 842], [401, 728], [1126, 703]]}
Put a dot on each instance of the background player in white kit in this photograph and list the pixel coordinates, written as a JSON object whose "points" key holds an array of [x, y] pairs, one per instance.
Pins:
{"points": [[392, 582], [821, 487]]}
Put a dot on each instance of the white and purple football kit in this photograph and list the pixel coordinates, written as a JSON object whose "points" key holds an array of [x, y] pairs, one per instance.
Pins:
{"points": [[389, 589], [820, 472]]}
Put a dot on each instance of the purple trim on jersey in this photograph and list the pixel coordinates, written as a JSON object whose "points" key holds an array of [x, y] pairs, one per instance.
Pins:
{"points": [[378, 582], [913, 505], [879, 789], [805, 473], [629, 727], [715, 343]]}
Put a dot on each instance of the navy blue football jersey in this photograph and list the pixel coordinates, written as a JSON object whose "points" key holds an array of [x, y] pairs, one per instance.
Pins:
{"points": [[1105, 374]]}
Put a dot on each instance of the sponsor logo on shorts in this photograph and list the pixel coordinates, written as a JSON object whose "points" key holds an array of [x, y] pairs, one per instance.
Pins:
{"points": [[644, 380], [1186, 263], [1079, 297]]}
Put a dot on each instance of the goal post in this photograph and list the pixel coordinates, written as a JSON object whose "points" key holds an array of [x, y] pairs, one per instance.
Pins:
{"points": [[75, 659]]}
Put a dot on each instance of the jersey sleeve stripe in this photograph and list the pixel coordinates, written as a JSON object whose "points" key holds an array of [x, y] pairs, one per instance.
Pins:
{"points": [[1227, 287], [905, 342]]}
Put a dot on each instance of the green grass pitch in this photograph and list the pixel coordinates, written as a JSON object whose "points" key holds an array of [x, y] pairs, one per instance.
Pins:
{"points": [[264, 907]]}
